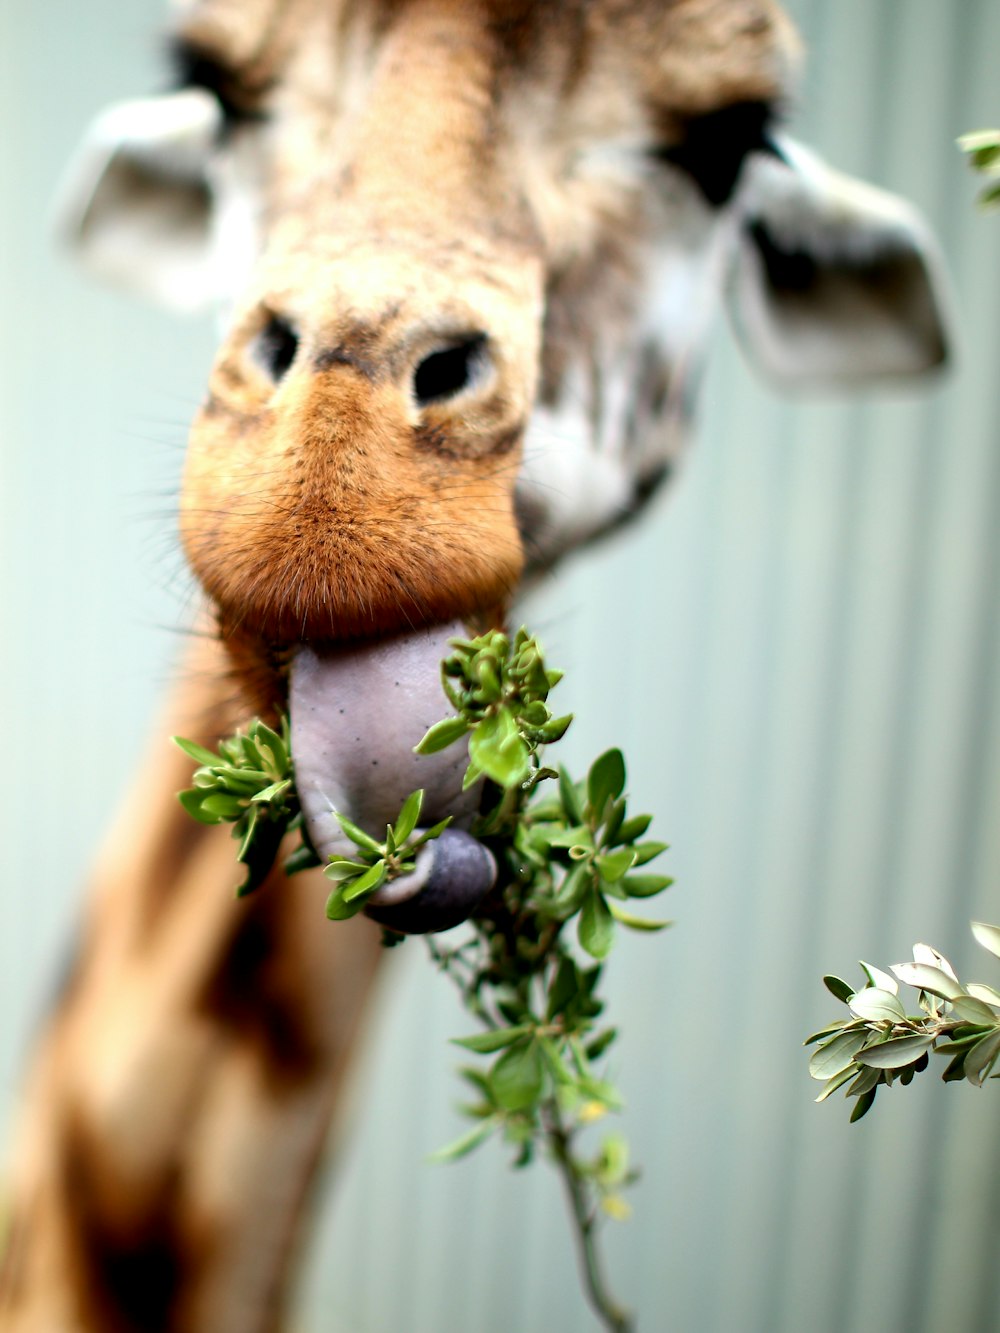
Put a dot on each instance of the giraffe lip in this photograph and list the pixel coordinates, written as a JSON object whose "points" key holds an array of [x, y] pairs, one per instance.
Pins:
{"points": [[357, 711]]}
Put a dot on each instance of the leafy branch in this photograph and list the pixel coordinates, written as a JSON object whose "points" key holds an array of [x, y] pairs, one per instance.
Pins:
{"points": [[882, 1043], [567, 852], [983, 150], [249, 783]]}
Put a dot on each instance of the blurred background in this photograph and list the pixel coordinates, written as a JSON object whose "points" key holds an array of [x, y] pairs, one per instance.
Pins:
{"points": [[807, 629]]}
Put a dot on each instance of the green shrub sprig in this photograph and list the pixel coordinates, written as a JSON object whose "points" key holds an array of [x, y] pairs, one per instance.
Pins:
{"points": [[568, 853], [881, 1043]]}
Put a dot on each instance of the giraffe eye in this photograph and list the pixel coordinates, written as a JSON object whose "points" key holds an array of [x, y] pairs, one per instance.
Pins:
{"points": [[194, 66], [275, 346], [446, 373], [713, 147]]}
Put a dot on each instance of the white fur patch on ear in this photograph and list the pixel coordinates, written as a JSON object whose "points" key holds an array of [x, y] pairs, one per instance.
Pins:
{"points": [[136, 204], [835, 282]]}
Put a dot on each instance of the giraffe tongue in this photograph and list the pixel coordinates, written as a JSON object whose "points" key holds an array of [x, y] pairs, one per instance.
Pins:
{"points": [[356, 714]]}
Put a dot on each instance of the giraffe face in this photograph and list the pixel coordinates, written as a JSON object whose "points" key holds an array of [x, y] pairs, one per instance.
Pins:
{"points": [[470, 252]]}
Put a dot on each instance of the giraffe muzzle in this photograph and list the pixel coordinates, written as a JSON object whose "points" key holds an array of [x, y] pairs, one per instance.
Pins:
{"points": [[357, 711]]}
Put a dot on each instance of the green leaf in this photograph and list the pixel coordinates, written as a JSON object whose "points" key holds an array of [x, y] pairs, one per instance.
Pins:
{"points": [[576, 836], [865, 1081], [839, 989], [596, 1048], [496, 747], [251, 827], [648, 851], [877, 1006], [836, 1055], [922, 976], [563, 988], [596, 928], [836, 1081], [973, 1011], [408, 816], [646, 886], [226, 807], [195, 751], [462, 1146], [983, 146], [956, 1067], [634, 828], [988, 936], [192, 799], [273, 792], [880, 979], [981, 1058], [613, 865], [364, 884], [570, 797], [863, 1105], [517, 1078], [554, 1062], [340, 868], [615, 816], [267, 740], [569, 895], [985, 993], [484, 1043], [339, 910], [357, 835], [896, 1053], [429, 834], [249, 753], [441, 735], [605, 781], [260, 854], [555, 729], [823, 1033], [636, 922]]}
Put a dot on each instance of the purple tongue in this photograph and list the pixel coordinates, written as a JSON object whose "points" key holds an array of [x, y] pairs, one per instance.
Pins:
{"points": [[356, 714]]}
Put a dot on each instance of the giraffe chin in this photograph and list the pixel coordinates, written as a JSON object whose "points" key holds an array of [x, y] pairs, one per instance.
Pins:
{"points": [[356, 713]]}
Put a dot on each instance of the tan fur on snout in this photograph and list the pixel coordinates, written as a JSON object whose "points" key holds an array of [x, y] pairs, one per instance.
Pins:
{"points": [[334, 504]]}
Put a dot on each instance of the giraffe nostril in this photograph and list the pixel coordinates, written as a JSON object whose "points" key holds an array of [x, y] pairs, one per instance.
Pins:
{"points": [[275, 346], [448, 372]]}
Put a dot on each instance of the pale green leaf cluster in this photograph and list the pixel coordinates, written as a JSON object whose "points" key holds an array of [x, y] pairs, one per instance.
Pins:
{"points": [[883, 1042], [499, 690], [983, 149], [248, 782]]}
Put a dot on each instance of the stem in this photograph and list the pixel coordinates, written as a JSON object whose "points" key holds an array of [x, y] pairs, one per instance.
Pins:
{"points": [[612, 1315]]}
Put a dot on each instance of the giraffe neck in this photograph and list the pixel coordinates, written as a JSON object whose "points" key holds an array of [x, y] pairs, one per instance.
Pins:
{"points": [[187, 1079]]}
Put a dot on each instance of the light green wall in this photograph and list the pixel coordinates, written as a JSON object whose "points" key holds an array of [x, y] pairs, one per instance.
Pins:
{"points": [[808, 625]]}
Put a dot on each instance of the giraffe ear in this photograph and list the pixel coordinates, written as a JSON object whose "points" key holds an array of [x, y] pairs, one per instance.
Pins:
{"points": [[835, 282], [136, 204]]}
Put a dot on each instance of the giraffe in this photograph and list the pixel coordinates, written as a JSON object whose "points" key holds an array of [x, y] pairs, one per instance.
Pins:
{"points": [[466, 255]]}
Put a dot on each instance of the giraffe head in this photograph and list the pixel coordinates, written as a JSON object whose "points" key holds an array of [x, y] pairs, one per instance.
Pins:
{"points": [[468, 254]]}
